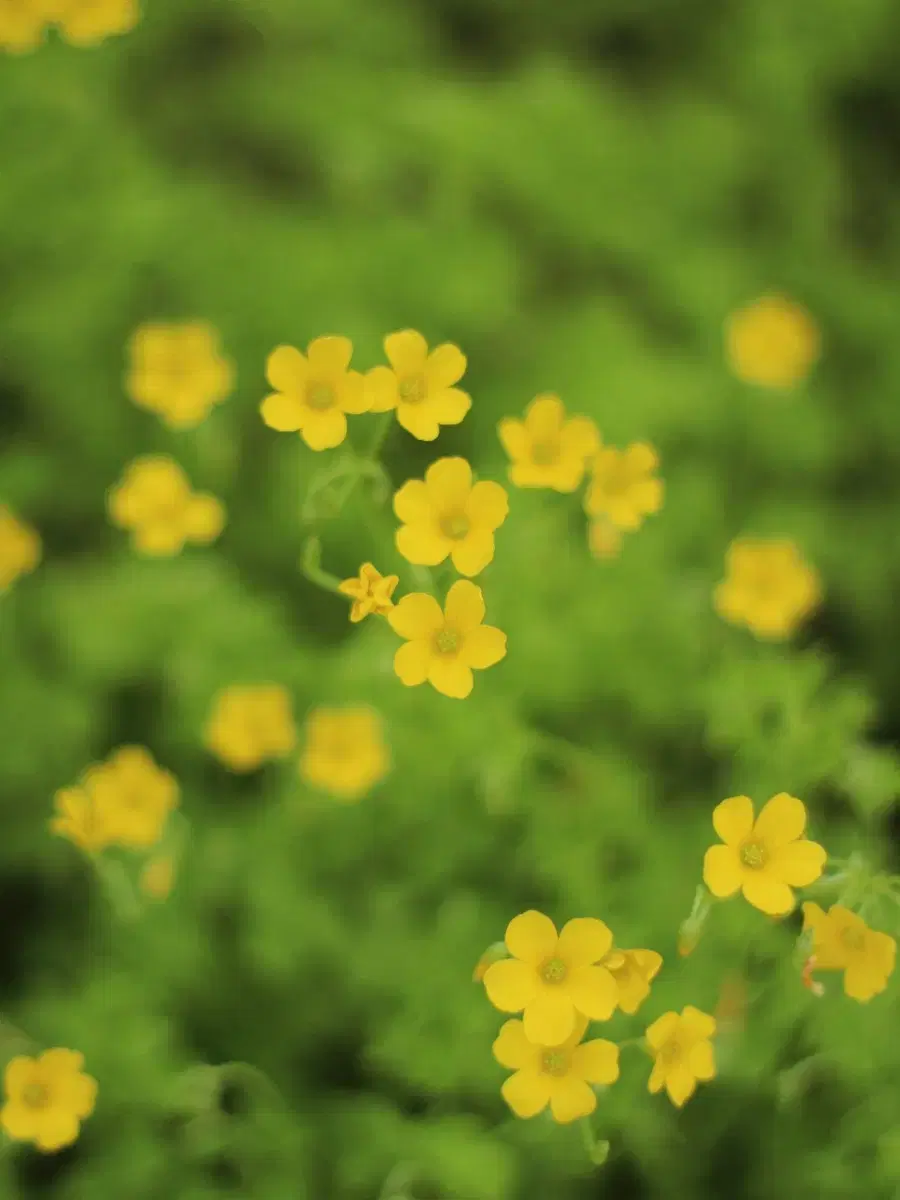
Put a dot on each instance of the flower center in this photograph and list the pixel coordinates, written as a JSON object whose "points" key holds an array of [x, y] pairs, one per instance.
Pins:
{"points": [[754, 855], [455, 526], [853, 939], [670, 1053], [35, 1095], [319, 396], [447, 641], [412, 389], [545, 451], [554, 1062], [553, 970]]}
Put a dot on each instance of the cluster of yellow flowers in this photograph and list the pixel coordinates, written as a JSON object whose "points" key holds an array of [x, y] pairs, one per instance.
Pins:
{"points": [[24, 23]]}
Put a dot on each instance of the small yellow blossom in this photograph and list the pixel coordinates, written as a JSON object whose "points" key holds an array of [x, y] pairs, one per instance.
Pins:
{"points": [[604, 538], [633, 971], [20, 547], [764, 858], [23, 24], [768, 587], [446, 514], [158, 876], [81, 819], [773, 343], [419, 385], [842, 941], [178, 372], [682, 1052], [154, 502], [370, 591], [553, 976], [87, 22], [47, 1098], [249, 724], [136, 795], [623, 488], [562, 1076], [345, 752], [548, 449], [314, 392], [445, 647]]}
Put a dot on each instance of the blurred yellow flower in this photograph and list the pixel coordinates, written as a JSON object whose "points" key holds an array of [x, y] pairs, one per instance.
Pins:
{"points": [[47, 1098], [562, 1076], [444, 647], [682, 1052], [80, 819], [135, 796], [345, 752], [87, 22], [772, 343], [370, 591], [842, 941], [604, 538], [768, 587], [446, 514], [158, 876], [548, 449], [154, 502], [623, 488], [23, 23], [764, 858], [20, 547], [419, 385], [553, 976], [249, 724], [633, 971], [314, 392], [178, 372]]}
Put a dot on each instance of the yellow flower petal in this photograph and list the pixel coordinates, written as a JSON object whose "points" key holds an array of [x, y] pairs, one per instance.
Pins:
{"points": [[696, 1023], [204, 519], [464, 606], [324, 430], [329, 357], [782, 820], [549, 1018], [471, 555], [544, 415], [733, 819], [449, 406], [287, 370], [483, 647], [446, 365], [158, 538], [662, 1029], [722, 871], [449, 481], [19, 1121], [527, 1092], [531, 936], [579, 438], [422, 545], [863, 981], [352, 395], [411, 663], [488, 505], [571, 1099], [583, 941], [513, 437], [407, 351], [380, 385], [416, 616], [285, 413], [412, 503], [648, 962], [657, 1079], [450, 676], [680, 1084], [56, 1129], [419, 421], [767, 894], [593, 991], [597, 1061], [512, 1048], [799, 863], [510, 984]]}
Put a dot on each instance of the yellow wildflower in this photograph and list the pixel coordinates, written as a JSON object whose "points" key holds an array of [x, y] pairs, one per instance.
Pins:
{"points": [[158, 876], [633, 971], [47, 1098], [548, 449], [345, 752], [768, 587], [682, 1052], [445, 647], [155, 503], [136, 794], [553, 976], [623, 488], [446, 514], [20, 547], [764, 858], [370, 591], [23, 24], [419, 385], [314, 392], [604, 538], [842, 941], [80, 819], [87, 22], [178, 372], [772, 343], [249, 724], [561, 1076]]}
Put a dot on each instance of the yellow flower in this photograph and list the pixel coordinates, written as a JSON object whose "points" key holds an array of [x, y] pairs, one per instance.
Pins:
{"points": [[446, 514], [444, 647], [419, 385], [249, 724], [81, 819], [23, 24], [682, 1052], [842, 941], [20, 547], [314, 392], [773, 343], [178, 372], [345, 752], [87, 22], [623, 488], [561, 1076], [155, 503], [763, 859], [548, 449], [136, 794], [767, 587], [370, 591], [158, 876], [553, 977], [633, 971], [604, 538], [47, 1098]]}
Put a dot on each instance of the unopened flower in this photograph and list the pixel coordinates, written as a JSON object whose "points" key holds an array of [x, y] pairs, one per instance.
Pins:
{"points": [[250, 724], [633, 971], [768, 587], [345, 752], [419, 384], [154, 502], [548, 449], [842, 941], [314, 392], [136, 795], [158, 876], [178, 371], [623, 488], [47, 1098], [604, 538], [773, 343], [682, 1052], [20, 547], [370, 591]]}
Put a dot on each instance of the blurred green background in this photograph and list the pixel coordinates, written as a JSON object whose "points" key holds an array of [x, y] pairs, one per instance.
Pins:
{"points": [[577, 195]]}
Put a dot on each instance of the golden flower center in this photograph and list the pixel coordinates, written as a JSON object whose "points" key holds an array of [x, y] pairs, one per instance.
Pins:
{"points": [[412, 389], [554, 1062], [320, 396], [455, 526], [553, 970], [35, 1095], [753, 854], [852, 938], [545, 451], [446, 641], [670, 1052]]}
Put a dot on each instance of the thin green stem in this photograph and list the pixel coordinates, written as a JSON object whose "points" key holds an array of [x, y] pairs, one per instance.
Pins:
{"points": [[310, 566], [118, 887], [382, 429], [597, 1150]]}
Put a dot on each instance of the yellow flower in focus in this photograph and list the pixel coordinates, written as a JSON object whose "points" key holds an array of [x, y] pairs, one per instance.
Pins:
{"points": [[764, 858], [446, 514], [23, 24], [178, 372], [768, 587], [561, 1076], [136, 795], [772, 343], [633, 971], [419, 385], [158, 876], [445, 647], [842, 941], [20, 547], [154, 502], [249, 724], [604, 538], [370, 591], [548, 449], [314, 392], [80, 819], [345, 752], [682, 1052], [623, 488], [554, 977], [46, 1099]]}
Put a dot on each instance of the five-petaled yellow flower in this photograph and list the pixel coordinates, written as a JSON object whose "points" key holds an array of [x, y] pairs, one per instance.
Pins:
{"points": [[178, 372], [250, 724], [553, 976], [314, 392], [419, 385], [562, 1076], [155, 503], [548, 449], [682, 1051], [446, 514], [768, 587], [47, 1098], [633, 971], [370, 592], [345, 752], [842, 941], [136, 796], [773, 343], [764, 858], [445, 647], [20, 548], [623, 488]]}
